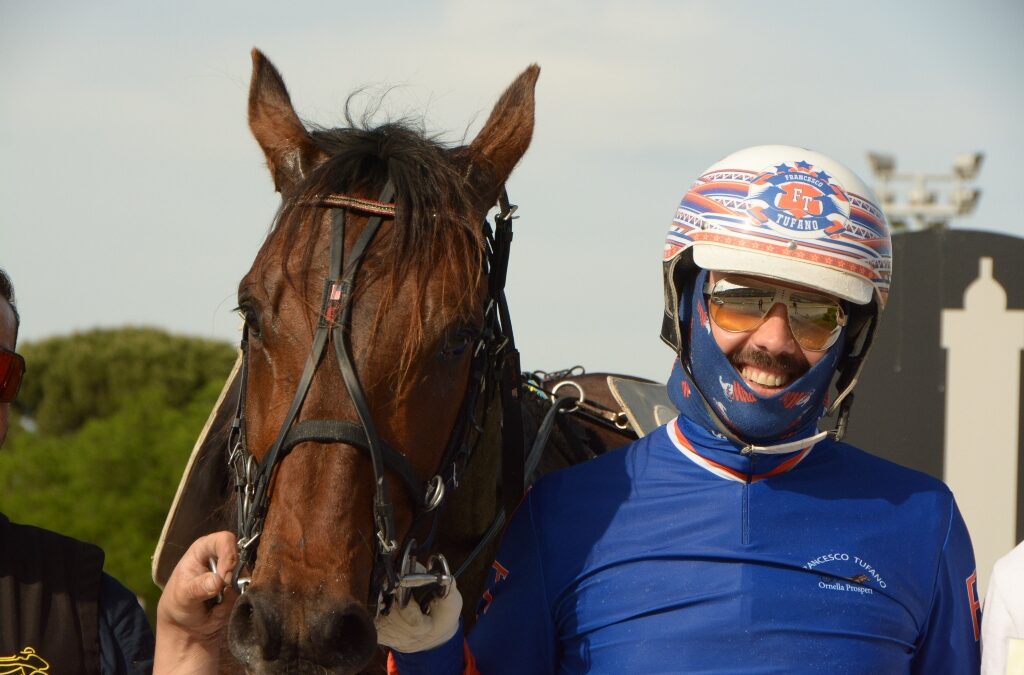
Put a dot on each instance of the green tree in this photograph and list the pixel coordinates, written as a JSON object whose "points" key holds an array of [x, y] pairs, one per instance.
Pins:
{"points": [[72, 379], [106, 468]]}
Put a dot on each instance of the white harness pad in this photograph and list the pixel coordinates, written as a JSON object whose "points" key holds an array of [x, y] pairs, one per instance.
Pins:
{"points": [[197, 508], [646, 404]]}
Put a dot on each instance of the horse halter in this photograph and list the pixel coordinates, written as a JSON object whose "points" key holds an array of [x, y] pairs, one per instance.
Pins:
{"points": [[494, 351]]}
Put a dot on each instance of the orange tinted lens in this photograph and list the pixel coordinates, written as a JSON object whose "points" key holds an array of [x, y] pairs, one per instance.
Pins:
{"points": [[12, 368], [815, 325], [737, 305], [737, 315]]}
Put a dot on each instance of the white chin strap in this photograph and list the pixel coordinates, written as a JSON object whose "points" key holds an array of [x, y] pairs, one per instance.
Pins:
{"points": [[783, 448]]}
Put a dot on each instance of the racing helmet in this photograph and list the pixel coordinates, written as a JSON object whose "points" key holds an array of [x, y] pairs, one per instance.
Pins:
{"points": [[789, 214]]}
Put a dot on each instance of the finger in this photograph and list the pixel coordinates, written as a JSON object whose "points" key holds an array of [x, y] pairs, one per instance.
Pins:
{"points": [[204, 587], [226, 553], [211, 545], [220, 546]]}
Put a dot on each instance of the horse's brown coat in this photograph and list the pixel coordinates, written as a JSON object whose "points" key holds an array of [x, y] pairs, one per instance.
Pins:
{"points": [[317, 544]]}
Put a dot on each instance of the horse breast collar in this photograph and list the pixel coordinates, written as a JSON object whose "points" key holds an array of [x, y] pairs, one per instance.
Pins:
{"points": [[494, 352]]}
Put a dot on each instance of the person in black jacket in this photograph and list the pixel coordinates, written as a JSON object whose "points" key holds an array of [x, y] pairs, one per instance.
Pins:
{"points": [[59, 612]]}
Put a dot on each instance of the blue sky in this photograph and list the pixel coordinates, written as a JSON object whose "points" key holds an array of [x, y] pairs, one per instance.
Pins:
{"points": [[132, 192]]}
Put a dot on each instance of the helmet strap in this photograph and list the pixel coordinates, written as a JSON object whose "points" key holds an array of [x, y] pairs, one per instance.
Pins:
{"points": [[862, 331]]}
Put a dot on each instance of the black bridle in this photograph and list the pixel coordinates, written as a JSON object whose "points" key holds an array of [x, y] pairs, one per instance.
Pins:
{"points": [[494, 365]]}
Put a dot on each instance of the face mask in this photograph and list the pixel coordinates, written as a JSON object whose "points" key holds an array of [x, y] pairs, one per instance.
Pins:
{"points": [[794, 411]]}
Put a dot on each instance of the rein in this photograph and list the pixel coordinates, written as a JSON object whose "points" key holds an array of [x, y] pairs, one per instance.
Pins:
{"points": [[495, 364], [561, 407]]}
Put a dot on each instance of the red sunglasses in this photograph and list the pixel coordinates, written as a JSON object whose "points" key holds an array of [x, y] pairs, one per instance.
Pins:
{"points": [[12, 368]]}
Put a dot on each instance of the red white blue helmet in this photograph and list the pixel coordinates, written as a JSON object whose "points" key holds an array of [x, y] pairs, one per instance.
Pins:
{"points": [[784, 213], [789, 214]]}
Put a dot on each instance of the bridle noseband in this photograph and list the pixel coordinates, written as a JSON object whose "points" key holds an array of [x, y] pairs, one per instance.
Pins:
{"points": [[494, 357]]}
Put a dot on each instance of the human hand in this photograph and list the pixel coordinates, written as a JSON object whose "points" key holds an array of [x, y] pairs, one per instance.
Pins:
{"points": [[188, 623], [407, 629]]}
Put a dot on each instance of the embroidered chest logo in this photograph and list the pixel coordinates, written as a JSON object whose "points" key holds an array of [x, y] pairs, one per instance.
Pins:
{"points": [[25, 662], [840, 572]]}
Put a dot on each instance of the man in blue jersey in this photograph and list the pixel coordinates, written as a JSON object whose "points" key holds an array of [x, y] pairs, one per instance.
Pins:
{"points": [[738, 538]]}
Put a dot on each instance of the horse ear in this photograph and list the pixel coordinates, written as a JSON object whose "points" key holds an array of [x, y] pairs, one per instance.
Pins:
{"points": [[507, 133], [290, 151]]}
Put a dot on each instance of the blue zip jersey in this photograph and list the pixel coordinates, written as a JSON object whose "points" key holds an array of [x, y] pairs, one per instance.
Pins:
{"points": [[666, 557]]}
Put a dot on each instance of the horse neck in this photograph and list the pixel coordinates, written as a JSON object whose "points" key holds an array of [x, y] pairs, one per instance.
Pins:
{"points": [[470, 510]]}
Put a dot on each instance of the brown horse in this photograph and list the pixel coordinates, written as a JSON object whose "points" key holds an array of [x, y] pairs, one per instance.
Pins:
{"points": [[404, 301], [414, 296], [367, 310]]}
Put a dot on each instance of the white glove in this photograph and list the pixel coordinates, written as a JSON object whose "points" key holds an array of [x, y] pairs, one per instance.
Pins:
{"points": [[407, 629]]}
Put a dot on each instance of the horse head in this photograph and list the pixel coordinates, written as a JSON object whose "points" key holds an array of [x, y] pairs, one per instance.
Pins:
{"points": [[363, 310]]}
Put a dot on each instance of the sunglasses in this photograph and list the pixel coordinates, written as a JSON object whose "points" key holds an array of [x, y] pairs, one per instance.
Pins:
{"points": [[12, 368], [740, 304]]}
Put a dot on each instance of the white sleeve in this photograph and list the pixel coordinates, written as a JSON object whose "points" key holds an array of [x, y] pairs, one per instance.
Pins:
{"points": [[1004, 604]]}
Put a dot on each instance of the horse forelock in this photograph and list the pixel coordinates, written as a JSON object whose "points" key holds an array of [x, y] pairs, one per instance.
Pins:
{"points": [[436, 230]]}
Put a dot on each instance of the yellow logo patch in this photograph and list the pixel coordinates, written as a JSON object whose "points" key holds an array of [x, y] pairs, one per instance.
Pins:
{"points": [[25, 662]]}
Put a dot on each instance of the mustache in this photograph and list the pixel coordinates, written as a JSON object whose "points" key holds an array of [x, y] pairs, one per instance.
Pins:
{"points": [[793, 365]]}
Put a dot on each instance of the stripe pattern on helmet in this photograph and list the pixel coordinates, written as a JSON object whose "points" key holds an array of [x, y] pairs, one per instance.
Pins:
{"points": [[794, 210]]}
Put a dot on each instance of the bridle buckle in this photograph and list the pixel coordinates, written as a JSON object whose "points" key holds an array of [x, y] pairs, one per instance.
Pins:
{"points": [[436, 573]]}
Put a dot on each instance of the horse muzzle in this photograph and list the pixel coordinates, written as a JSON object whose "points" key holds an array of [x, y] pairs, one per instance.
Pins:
{"points": [[268, 633]]}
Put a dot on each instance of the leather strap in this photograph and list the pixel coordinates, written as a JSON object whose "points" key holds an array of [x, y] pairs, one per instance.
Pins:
{"points": [[350, 433]]}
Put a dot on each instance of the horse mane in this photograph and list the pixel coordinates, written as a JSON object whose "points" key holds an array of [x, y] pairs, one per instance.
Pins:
{"points": [[435, 231]]}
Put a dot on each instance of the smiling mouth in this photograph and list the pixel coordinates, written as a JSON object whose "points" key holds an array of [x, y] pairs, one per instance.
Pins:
{"points": [[764, 378], [767, 374]]}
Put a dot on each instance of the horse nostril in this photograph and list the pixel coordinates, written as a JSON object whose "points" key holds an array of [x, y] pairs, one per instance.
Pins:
{"points": [[338, 635], [344, 636], [254, 632]]}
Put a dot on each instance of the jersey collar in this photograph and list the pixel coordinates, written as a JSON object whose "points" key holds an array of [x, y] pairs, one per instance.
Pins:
{"points": [[725, 461]]}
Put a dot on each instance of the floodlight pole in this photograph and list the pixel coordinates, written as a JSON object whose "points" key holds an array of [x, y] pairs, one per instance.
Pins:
{"points": [[920, 207]]}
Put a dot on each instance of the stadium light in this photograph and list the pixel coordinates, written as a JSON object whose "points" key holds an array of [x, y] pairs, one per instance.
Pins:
{"points": [[968, 165], [921, 206], [882, 165]]}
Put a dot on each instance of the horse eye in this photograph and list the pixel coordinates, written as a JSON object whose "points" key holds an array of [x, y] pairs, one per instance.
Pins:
{"points": [[458, 342], [251, 318]]}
